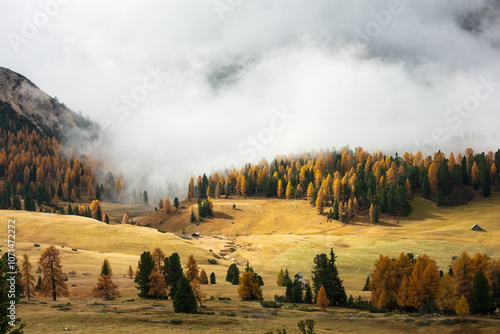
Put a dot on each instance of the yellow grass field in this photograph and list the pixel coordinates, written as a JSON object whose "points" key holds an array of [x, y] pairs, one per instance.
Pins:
{"points": [[271, 234]]}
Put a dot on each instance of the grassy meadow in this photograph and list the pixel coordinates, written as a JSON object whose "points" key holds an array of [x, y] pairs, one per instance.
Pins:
{"points": [[271, 234]]}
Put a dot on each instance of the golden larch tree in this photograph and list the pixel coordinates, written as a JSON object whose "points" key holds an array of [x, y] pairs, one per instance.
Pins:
{"points": [[337, 189], [280, 189], [192, 268], [481, 262], [81, 210], [279, 280], [95, 208], [475, 173], [158, 259], [493, 172], [320, 201], [318, 178], [249, 288], [424, 281], [451, 162], [118, 187], [160, 204], [433, 170], [402, 296], [217, 191], [125, 219], [243, 186], [385, 283], [463, 274], [52, 275], [408, 188], [167, 205], [462, 308], [28, 281], [91, 190], [289, 191], [105, 288], [198, 293], [372, 220], [349, 208], [446, 298], [310, 189], [157, 285], [203, 277], [321, 300], [191, 189]]}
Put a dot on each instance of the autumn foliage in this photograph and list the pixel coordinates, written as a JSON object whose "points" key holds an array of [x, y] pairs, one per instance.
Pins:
{"points": [[406, 282], [249, 288], [328, 179], [53, 277], [321, 300]]}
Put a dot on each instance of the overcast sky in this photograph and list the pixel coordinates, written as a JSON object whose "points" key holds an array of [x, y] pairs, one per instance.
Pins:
{"points": [[192, 86]]}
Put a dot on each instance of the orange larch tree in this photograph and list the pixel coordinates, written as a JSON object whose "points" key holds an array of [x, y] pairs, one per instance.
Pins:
{"points": [[446, 298], [158, 259], [463, 274], [52, 275], [191, 269], [198, 293], [321, 300], [289, 191], [157, 285], [249, 288], [28, 281], [280, 188], [168, 205]]}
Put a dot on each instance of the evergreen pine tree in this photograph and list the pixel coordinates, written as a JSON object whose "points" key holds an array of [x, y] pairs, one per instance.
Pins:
{"points": [[233, 274], [172, 270], [367, 284], [480, 300], [325, 274], [106, 268], [184, 298], [495, 289], [212, 278], [308, 297], [145, 267], [192, 219], [296, 292], [286, 278]]}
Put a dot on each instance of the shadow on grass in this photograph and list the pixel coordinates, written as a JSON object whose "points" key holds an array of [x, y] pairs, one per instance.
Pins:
{"points": [[222, 215]]}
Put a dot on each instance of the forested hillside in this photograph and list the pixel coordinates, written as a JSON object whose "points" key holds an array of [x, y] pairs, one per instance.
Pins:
{"points": [[35, 168], [345, 181]]}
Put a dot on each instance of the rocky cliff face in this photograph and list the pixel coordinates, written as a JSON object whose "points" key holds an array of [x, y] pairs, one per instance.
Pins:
{"points": [[51, 117]]}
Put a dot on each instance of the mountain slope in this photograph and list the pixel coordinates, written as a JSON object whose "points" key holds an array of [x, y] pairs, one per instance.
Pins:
{"points": [[46, 113]]}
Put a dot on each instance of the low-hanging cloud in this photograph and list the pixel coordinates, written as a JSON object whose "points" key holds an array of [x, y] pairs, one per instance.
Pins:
{"points": [[263, 78]]}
